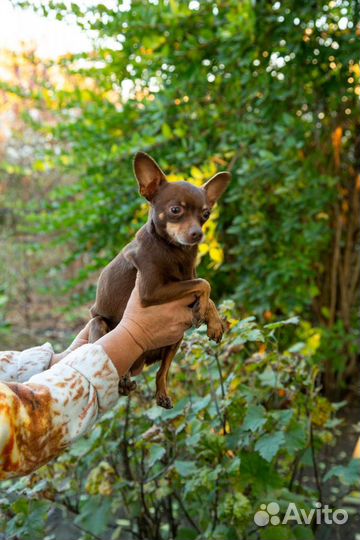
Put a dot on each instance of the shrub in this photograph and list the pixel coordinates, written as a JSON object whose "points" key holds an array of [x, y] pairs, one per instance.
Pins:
{"points": [[248, 419]]}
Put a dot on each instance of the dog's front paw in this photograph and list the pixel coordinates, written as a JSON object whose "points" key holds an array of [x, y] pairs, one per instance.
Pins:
{"points": [[215, 330], [197, 321], [126, 385], [164, 401], [199, 313]]}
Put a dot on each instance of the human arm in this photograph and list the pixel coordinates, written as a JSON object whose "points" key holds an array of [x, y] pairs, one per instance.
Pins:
{"points": [[19, 366], [40, 418]]}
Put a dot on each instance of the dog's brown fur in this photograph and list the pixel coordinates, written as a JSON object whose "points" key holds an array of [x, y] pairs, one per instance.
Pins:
{"points": [[164, 253]]}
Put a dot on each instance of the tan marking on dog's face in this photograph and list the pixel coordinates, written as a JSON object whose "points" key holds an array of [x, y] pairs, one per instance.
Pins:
{"points": [[173, 230], [179, 233], [161, 215]]}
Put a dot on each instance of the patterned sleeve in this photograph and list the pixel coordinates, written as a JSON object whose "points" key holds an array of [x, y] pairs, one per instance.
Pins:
{"points": [[40, 418], [20, 366]]}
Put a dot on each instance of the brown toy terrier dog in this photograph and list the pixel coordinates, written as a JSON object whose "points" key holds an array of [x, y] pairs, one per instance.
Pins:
{"points": [[164, 254]]}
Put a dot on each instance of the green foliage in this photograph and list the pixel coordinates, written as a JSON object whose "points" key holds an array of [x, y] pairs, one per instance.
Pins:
{"points": [[241, 432], [348, 474], [3, 323], [268, 89]]}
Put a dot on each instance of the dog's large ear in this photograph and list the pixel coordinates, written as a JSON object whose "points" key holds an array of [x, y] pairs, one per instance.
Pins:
{"points": [[216, 186], [148, 174]]}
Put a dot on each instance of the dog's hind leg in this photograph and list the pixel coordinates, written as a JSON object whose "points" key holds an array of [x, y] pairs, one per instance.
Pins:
{"points": [[126, 385], [162, 397], [98, 328]]}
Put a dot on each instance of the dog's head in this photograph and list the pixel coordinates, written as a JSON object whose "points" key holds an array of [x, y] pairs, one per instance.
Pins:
{"points": [[180, 209]]}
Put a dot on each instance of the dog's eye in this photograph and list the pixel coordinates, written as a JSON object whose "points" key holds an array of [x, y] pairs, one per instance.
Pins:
{"points": [[176, 210], [206, 214]]}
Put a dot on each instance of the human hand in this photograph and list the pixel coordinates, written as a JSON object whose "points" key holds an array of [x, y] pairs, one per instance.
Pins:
{"points": [[81, 339], [146, 328], [157, 326]]}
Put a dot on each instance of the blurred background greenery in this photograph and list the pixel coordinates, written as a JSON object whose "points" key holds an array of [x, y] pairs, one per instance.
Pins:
{"points": [[270, 91]]}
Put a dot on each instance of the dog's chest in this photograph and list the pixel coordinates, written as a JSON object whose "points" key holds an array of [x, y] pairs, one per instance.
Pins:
{"points": [[181, 270]]}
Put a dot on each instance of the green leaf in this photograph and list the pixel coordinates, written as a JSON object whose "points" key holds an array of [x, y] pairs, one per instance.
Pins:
{"points": [[200, 404], [279, 324], [283, 417], [178, 410], [348, 474], [255, 418], [95, 513], [297, 347], [259, 474], [269, 445], [296, 437], [166, 131], [269, 378], [157, 413], [28, 521], [156, 453], [154, 413], [185, 468]]}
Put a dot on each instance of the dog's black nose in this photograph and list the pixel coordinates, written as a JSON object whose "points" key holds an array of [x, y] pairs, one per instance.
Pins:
{"points": [[195, 234]]}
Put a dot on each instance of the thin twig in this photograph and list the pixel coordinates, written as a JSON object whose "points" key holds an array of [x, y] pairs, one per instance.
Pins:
{"points": [[72, 510], [86, 531], [223, 394], [234, 159], [316, 472], [124, 443], [215, 517], [334, 267], [142, 492], [220, 376], [186, 513]]}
